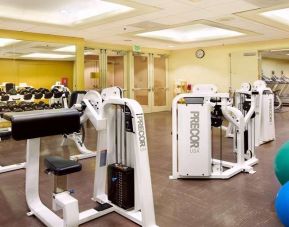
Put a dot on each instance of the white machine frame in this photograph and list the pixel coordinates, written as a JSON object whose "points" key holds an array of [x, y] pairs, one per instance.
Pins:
{"points": [[264, 123], [93, 97], [211, 168], [143, 211]]}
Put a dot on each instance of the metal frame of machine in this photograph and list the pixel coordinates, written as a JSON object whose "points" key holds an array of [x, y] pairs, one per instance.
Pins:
{"points": [[134, 145], [94, 97], [191, 135], [264, 124]]}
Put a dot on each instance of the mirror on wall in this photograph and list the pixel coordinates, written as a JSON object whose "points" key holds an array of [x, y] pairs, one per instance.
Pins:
{"points": [[274, 69], [36, 64]]}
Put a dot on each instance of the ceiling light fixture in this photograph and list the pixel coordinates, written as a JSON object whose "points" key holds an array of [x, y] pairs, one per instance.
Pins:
{"points": [[66, 49], [191, 33], [5, 42], [62, 12], [46, 55], [279, 15], [279, 50]]}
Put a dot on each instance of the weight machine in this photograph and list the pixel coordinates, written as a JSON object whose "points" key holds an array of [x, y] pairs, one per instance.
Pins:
{"points": [[121, 162], [193, 115], [94, 98], [264, 123]]}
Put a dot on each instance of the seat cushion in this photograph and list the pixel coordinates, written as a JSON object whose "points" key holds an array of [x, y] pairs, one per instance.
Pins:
{"points": [[60, 166]]}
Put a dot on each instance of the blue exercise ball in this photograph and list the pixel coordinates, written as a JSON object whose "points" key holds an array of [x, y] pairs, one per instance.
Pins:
{"points": [[281, 163], [282, 204]]}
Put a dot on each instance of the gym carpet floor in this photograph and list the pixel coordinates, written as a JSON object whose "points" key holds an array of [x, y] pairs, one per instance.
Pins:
{"points": [[244, 200]]}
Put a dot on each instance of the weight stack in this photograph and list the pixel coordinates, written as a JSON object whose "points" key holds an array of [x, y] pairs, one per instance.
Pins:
{"points": [[121, 185]]}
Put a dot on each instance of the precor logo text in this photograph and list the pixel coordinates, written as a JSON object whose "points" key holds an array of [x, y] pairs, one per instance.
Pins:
{"points": [[141, 132], [194, 132]]}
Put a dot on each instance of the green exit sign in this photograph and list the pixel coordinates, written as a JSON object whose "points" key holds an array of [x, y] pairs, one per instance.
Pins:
{"points": [[136, 48]]}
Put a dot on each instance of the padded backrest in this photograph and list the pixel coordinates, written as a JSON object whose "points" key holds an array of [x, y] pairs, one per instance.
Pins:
{"points": [[34, 124]]}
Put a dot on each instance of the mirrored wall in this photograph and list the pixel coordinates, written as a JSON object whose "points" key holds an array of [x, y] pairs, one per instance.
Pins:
{"points": [[37, 64]]}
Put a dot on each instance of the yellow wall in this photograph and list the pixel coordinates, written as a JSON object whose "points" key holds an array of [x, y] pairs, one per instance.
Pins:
{"points": [[36, 73], [277, 65], [215, 67]]}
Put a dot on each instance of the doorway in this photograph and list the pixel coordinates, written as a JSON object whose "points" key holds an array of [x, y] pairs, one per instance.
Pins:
{"points": [[149, 81]]}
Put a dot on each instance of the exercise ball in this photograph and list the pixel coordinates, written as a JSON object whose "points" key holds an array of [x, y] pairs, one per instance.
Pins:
{"points": [[282, 204], [282, 163]]}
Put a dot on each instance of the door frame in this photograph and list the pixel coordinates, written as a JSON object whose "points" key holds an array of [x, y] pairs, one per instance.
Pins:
{"points": [[150, 77]]}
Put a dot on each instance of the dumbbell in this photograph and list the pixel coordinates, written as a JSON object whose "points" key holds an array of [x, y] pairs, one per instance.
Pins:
{"points": [[43, 90], [5, 98], [26, 106], [12, 92], [56, 105], [4, 107], [27, 96], [12, 105]]}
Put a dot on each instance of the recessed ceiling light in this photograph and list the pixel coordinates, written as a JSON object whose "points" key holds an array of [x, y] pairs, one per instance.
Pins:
{"points": [[62, 12], [66, 49], [279, 15], [191, 33], [6, 42], [46, 55]]}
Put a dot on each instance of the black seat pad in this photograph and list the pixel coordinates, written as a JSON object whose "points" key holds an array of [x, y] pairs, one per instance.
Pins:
{"points": [[60, 166]]}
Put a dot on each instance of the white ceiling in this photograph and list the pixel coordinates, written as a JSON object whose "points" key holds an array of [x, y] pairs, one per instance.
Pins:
{"points": [[156, 14]]}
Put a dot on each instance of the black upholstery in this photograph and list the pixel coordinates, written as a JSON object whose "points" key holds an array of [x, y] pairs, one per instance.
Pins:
{"points": [[74, 96], [34, 124], [60, 166]]}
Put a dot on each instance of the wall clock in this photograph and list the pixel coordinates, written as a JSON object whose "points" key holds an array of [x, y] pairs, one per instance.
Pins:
{"points": [[200, 53]]}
